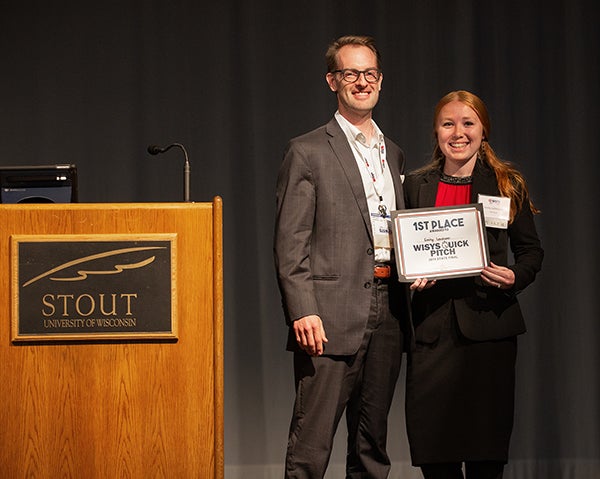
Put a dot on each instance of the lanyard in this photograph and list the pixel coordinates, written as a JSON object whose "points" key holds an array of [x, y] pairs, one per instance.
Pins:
{"points": [[378, 180]]}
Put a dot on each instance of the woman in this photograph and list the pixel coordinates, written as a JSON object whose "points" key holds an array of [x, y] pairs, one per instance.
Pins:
{"points": [[461, 373]]}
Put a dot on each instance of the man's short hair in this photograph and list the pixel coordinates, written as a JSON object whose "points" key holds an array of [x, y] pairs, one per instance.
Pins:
{"points": [[359, 40]]}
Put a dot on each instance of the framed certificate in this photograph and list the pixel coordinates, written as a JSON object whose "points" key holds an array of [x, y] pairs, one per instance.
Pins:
{"points": [[443, 242]]}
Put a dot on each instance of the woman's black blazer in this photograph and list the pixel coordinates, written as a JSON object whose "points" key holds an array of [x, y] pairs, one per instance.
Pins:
{"points": [[482, 312]]}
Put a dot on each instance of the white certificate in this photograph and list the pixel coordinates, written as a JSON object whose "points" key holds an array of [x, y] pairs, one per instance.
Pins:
{"points": [[443, 242]]}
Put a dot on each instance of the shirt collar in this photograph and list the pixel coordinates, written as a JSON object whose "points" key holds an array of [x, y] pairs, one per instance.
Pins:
{"points": [[354, 134]]}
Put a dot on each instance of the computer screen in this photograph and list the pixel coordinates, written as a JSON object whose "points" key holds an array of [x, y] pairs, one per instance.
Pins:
{"points": [[38, 184]]}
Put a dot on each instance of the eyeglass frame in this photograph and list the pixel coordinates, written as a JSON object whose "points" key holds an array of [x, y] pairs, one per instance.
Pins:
{"points": [[358, 73]]}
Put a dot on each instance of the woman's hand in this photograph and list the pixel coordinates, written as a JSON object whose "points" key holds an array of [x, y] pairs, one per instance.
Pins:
{"points": [[498, 276], [420, 284]]}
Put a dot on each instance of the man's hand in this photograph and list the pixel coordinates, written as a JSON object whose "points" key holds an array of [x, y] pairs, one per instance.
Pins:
{"points": [[310, 334]]}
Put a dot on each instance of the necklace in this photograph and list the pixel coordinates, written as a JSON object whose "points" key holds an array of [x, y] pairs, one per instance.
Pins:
{"points": [[456, 180]]}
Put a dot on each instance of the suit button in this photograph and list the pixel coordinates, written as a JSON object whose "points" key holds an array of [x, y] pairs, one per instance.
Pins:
{"points": [[367, 285], [370, 251]]}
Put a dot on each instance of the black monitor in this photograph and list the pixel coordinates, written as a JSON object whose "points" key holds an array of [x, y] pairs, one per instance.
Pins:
{"points": [[38, 184]]}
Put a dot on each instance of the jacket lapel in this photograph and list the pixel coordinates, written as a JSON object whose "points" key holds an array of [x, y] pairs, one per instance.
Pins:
{"points": [[343, 152], [484, 182], [428, 190], [398, 191]]}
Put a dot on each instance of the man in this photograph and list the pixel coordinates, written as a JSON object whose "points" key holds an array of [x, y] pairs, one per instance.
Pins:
{"points": [[333, 254]]}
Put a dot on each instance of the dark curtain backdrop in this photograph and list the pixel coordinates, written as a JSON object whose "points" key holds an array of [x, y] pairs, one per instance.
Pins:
{"points": [[94, 83]]}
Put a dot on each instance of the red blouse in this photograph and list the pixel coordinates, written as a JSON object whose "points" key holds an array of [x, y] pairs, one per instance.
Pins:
{"points": [[451, 194]]}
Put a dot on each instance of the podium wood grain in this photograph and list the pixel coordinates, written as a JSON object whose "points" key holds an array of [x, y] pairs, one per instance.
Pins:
{"points": [[121, 409]]}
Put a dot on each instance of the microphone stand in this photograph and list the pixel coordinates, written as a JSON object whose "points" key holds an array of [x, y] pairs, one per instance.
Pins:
{"points": [[154, 150]]}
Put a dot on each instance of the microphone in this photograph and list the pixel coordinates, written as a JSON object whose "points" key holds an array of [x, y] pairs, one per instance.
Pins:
{"points": [[155, 150]]}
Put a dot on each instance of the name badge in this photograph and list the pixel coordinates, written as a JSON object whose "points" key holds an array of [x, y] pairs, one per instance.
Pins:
{"points": [[496, 210], [382, 231]]}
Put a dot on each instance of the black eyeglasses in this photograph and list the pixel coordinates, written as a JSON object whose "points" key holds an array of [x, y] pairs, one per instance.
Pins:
{"points": [[372, 75]]}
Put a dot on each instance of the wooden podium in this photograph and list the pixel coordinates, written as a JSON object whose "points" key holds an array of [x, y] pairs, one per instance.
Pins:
{"points": [[118, 408]]}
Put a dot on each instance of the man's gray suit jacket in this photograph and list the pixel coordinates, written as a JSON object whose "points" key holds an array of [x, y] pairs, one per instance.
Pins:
{"points": [[324, 251]]}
